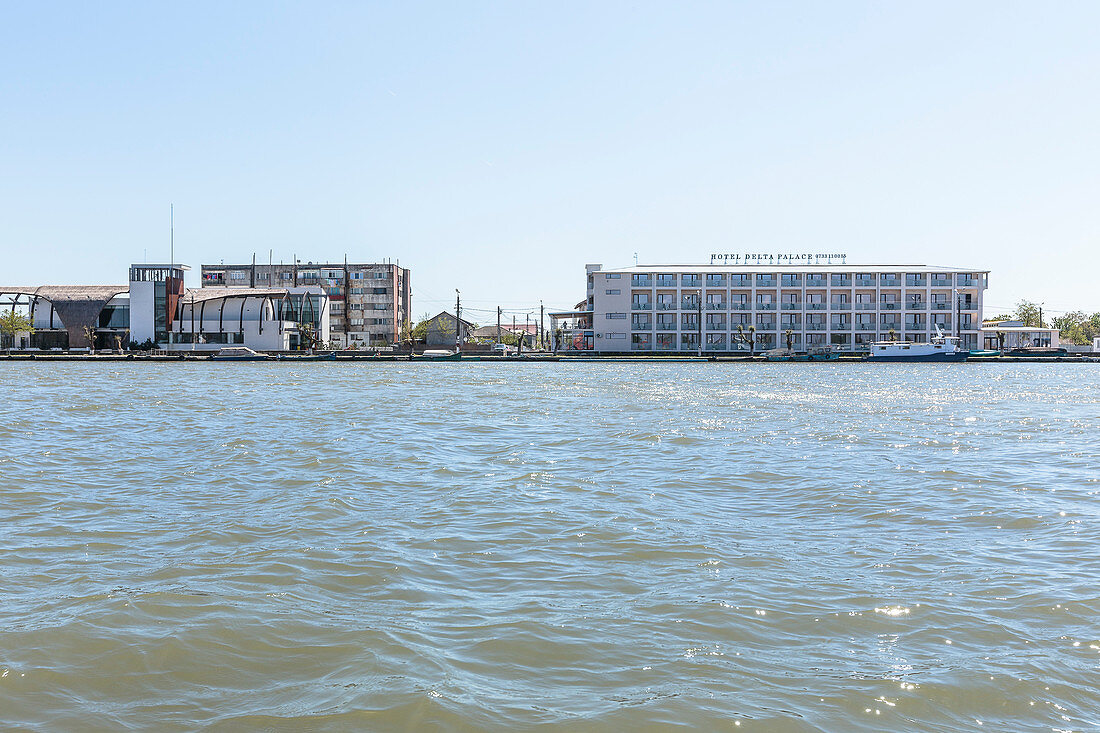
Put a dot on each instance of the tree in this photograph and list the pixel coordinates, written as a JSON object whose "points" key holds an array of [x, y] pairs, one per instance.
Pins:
{"points": [[789, 334], [12, 323], [1001, 317], [1028, 312], [89, 336], [1001, 341], [1077, 327]]}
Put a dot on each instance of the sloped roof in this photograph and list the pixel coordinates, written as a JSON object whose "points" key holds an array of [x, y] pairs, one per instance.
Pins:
{"points": [[69, 293]]}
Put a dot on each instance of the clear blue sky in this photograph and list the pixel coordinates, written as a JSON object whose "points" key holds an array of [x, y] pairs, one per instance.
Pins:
{"points": [[498, 147]]}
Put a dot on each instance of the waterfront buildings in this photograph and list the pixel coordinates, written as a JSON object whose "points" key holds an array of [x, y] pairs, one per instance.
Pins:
{"points": [[370, 303], [155, 308], [1017, 335], [726, 306]]}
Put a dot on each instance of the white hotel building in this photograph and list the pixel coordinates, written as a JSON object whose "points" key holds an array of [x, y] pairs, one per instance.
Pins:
{"points": [[717, 308]]}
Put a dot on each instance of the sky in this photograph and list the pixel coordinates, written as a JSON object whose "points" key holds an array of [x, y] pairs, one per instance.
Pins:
{"points": [[496, 148]]}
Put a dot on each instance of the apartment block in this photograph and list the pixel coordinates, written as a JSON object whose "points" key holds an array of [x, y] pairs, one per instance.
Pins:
{"points": [[370, 303]]}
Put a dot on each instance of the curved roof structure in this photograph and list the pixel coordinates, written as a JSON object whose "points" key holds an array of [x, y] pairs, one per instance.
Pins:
{"points": [[78, 306]]}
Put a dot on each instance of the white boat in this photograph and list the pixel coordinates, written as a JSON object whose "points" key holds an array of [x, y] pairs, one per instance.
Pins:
{"points": [[940, 348], [238, 353]]}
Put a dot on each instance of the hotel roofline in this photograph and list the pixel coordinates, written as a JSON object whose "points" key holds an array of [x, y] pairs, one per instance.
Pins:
{"points": [[794, 266]]}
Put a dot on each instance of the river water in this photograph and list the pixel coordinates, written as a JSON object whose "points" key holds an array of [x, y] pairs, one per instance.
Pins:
{"points": [[781, 547]]}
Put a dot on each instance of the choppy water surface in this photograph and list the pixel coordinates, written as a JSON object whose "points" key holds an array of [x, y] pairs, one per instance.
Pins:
{"points": [[784, 547]]}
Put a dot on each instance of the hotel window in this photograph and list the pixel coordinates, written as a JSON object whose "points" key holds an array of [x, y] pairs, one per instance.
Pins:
{"points": [[666, 280], [840, 322], [614, 291], [765, 281], [715, 281], [841, 280], [740, 319], [792, 281], [716, 321], [641, 322], [915, 280], [791, 320], [614, 316], [690, 281], [640, 280], [739, 281], [614, 275], [941, 279], [640, 302], [666, 341], [238, 275], [641, 342], [815, 281], [689, 321], [889, 279]]}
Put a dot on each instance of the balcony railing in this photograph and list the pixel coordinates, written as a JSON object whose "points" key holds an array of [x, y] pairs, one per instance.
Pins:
{"points": [[716, 306], [666, 306], [890, 306], [941, 282], [815, 326], [765, 306], [891, 283], [941, 306], [890, 326], [644, 282], [842, 282], [966, 282], [715, 347], [916, 305], [740, 307], [642, 326], [718, 282], [666, 283], [689, 305], [796, 306], [815, 306], [641, 347], [915, 282], [641, 306], [792, 283], [666, 326], [815, 282], [840, 306]]}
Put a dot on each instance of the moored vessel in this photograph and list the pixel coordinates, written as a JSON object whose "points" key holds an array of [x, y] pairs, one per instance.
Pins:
{"points": [[940, 348]]}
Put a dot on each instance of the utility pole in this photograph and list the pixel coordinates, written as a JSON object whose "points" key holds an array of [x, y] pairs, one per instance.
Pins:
{"points": [[542, 331], [252, 272], [699, 324], [514, 328], [498, 325], [1040, 315], [527, 326], [958, 316], [458, 321]]}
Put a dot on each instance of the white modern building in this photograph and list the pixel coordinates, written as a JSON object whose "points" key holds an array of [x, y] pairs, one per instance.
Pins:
{"points": [[370, 303], [210, 318], [1017, 335], [727, 307]]}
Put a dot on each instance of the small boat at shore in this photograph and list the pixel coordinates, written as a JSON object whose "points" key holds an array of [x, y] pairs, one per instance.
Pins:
{"points": [[308, 357], [940, 348], [817, 353], [239, 353]]}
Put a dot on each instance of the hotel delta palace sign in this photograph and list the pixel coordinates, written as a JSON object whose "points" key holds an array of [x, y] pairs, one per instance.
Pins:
{"points": [[785, 258]]}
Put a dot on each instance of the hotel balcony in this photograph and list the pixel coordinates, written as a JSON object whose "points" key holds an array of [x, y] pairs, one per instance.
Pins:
{"points": [[716, 306], [941, 306], [740, 307], [916, 305], [666, 306], [889, 306], [641, 283], [666, 326], [842, 282], [815, 306], [815, 282], [815, 327], [765, 306], [641, 306], [866, 327], [792, 306]]}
